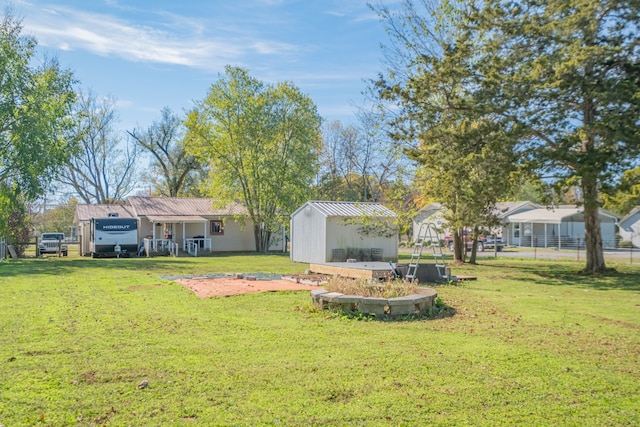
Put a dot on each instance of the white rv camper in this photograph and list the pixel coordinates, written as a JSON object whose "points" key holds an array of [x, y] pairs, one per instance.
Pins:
{"points": [[114, 236]]}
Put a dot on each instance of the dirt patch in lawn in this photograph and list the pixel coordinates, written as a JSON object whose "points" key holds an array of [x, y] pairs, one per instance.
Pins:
{"points": [[227, 286]]}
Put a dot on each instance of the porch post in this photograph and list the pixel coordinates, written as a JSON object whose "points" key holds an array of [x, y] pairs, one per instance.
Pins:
{"points": [[205, 236], [545, 235], [559, 236], [532, 233], [184, 236], [153, 243]]}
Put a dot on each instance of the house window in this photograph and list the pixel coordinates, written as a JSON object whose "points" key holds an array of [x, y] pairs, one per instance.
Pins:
{"points": [[217, 228], [516, 230]]}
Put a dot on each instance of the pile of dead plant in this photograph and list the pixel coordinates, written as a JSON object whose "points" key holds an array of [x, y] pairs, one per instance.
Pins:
{"points": [[371, 288]]}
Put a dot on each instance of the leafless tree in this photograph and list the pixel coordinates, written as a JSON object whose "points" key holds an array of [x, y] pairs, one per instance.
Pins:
{"points": [[173, 171], [103, 169]]}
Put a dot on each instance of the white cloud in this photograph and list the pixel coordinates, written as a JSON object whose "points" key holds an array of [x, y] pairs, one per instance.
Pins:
{"points": [[181, 41]]}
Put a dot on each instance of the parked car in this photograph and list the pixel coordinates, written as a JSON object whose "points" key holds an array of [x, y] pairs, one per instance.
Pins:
{"points": [[490, 244], [484, 242], [51, 243]]}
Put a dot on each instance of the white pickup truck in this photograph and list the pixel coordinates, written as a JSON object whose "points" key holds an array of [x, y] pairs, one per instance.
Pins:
{"points": [[51, 243]]}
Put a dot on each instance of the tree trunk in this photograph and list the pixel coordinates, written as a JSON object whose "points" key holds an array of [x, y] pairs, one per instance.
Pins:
{"points": [[459, 249], [474, 246], [262, 238], [593, 236], [257, 235]]}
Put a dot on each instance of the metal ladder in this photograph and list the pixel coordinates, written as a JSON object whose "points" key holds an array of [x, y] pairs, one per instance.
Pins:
{"points": [[427, 235]]}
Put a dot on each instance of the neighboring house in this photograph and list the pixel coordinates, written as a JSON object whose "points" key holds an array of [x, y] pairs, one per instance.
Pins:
{"points": [[324, 231], [434, 212], [507, 209], [529, 224], [629, 227], [557, 227], [431, 213], [180, 223]]}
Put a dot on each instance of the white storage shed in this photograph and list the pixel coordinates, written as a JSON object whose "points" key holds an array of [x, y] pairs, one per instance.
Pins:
{"points": [[324, 231]]}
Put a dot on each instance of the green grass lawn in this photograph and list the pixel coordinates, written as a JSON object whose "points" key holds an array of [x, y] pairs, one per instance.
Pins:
{"points": [[530, 344]]}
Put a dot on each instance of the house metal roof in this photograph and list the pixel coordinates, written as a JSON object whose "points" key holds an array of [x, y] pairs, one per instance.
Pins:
{"points": [[349, 209], [433, 206], [630, 215], [86, 212], [182, 207], [160, 209], [177, 218], [504, 209], [557, 215]]}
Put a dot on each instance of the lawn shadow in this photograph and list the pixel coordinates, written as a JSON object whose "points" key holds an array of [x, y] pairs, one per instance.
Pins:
{"points": [[160, 265], [563, 274], [60, 266]]}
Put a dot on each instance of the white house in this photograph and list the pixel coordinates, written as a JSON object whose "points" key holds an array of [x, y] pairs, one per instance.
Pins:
{"points": [[179, 224], [324, 231], [434, 213], [558, 227], [528, 224], [507, 209], [629, 227], [431, 213]]}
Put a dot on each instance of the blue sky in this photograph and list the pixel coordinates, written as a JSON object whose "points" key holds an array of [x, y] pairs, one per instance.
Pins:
{"points": [[150, 54]]}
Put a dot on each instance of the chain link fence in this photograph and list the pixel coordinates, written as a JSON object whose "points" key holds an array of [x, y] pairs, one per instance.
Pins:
{"points": [[562, 242], [567, 247]]}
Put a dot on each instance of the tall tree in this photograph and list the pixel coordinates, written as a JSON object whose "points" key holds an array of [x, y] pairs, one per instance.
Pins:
{"points": [[357, 161], [569, 73], [401, 198], [340, 176], [261, 142], [53, 217], [626, 194], [464, 153], [102, 169], [35, 105], [172, 169], [386, 161]]}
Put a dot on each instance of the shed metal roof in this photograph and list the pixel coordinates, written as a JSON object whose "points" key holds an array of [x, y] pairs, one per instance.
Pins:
{"points": [[349, 209]]}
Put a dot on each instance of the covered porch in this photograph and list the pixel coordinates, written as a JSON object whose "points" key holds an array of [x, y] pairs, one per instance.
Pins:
{"points": [[560, 228], [175, 234]]}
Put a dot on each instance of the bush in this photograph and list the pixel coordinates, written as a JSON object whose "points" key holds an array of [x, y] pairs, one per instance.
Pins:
{"points": [[18, 225]]}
